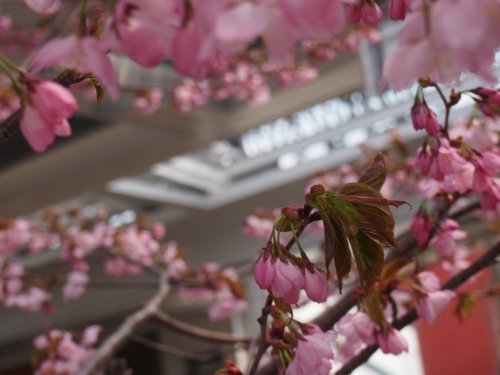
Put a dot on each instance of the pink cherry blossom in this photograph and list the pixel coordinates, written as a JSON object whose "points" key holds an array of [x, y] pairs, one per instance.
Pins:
{"points": [[315, 285], [429, 281], [46, 113], [258, 227], [176, 265], [313, 354], [120, 267], [392, 342], [85, 55], [44, 6], [319, 22], [445, 240], [90, 335], [457, 262], [138, 21], [433, 304], [240, 25], [148, 102], [226, 305], [358, 328], [434, 42], [60, 354], [435, 300], [75, 286], [423, 160]]}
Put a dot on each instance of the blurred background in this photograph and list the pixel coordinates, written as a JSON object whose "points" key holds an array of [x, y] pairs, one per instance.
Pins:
{"points": [[201, 173]]}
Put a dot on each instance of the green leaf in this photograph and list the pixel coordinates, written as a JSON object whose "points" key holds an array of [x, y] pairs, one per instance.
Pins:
{"points": [[376, 173], [465, 306], [369, 257]]}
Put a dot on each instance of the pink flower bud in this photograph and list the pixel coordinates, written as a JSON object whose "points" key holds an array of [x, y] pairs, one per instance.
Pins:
{"points": [[397, 9], [264, 271], [421, 226], [353, 13], [424, 119], [287, 281], [371, 14], [316, 285], [423, 161]]}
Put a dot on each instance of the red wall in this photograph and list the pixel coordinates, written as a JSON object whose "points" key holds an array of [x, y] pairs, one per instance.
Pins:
{"points": [[450, 347]]}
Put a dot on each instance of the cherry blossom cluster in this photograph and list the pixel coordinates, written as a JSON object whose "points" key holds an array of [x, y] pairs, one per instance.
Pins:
{"points": [[221, 288], [129, 250], [285, 276], [226, 49], [59, 352], [301, 348]]}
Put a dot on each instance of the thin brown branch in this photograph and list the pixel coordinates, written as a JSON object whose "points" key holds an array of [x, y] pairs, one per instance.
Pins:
{"points": [[263, 342], [198, 332], [113, 342], [487, 259], [167, 349], [310, 218]]}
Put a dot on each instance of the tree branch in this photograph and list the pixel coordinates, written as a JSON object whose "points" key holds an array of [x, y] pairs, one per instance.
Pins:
{"points": [[263, 343], [201, 333], [162, 348], [488, 259], [113, 342]]}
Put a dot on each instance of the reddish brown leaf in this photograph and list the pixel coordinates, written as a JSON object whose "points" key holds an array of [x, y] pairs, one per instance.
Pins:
{"points": [[369, 257], [336, 244], [376, 173]]}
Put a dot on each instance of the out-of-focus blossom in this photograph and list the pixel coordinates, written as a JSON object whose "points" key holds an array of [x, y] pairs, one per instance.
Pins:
{"points": [[397, 9], [392, 342], [258, 227], [144, 29], [421, 226], [61, 354], [434, 43], [75, 286], [445, 240], [148, 102], [313, 354], [434, 300], [44, 6], [85, 55]]}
